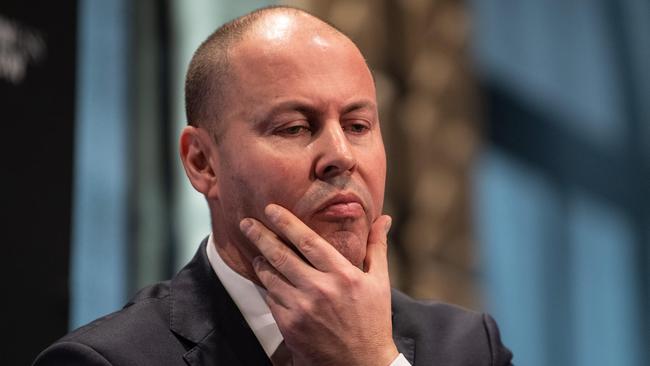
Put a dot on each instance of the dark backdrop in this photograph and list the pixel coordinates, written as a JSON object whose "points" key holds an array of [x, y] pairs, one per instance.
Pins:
{"points": [[37, 90]]}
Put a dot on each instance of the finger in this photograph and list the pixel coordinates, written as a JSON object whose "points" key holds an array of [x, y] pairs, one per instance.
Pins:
{"points": [[282, 314], [321, 254], [376, 260], [279, 310], [276, 252], [279, 290], [282, 298]]}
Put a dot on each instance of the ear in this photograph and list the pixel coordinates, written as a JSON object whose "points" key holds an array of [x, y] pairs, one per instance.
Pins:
{"points": [[199, 160]]}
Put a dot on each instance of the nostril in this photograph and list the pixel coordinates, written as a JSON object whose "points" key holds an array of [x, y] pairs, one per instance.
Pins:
{"points": [[328, 169]]}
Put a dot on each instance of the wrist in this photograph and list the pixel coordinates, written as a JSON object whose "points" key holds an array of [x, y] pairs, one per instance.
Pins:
{"points": [[386, 356], [392, 353]]}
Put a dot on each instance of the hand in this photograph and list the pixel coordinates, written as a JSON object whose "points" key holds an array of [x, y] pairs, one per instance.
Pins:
{"points": [[329, 311]]}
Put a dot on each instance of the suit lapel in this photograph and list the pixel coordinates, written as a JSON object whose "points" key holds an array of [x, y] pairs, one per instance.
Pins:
{"points": [[203, 313], [405, 344]]}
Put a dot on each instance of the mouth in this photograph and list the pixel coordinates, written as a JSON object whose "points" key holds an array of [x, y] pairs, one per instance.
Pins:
{"points": [[341, 206]]}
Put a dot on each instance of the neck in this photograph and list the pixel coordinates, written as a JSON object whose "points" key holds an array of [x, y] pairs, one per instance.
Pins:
{"points": [[236, 259]]}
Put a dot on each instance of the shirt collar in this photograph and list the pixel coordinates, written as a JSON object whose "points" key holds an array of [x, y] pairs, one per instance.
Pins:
{"points": [[249, 299]]}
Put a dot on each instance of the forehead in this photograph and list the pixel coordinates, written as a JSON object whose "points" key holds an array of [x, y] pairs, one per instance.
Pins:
{"points": [[284, 57]]}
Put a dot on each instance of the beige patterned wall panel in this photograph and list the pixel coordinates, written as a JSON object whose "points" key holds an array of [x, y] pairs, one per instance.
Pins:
{"points": [[418, 51]]}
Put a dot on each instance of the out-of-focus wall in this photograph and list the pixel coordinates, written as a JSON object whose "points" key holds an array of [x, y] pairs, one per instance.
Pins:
{"points": [[563, 185]]}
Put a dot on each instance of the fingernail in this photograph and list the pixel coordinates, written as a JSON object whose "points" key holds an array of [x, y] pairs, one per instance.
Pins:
{"points": [[388, 225], [245, 225], [257, 262], [272, 212]]}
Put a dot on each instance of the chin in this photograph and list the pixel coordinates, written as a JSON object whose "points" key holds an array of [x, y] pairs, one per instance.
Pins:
{"points": [[349, 244], [348, 236]]}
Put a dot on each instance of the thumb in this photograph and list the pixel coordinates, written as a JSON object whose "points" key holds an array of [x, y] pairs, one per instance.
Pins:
{"points": [[377, 248]]}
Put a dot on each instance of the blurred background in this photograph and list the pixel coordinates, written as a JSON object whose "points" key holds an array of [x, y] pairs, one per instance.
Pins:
{"points": [[518, 136]]}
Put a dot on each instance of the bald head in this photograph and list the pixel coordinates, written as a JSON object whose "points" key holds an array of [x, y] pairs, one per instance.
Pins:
{"points": [[211, 67]]}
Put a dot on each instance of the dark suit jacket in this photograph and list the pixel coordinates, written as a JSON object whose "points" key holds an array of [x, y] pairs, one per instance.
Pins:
{"points": [[191, 320]]}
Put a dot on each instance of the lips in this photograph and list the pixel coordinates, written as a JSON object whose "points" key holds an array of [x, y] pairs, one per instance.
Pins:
{"points": [[342, 206]]}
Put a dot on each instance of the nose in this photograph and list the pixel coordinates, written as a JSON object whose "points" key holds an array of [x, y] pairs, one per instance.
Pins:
{"points": [[335, 156]]}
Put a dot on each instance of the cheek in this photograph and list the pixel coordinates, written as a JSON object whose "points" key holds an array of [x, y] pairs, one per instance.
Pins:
{"points": [[378, 178], [277, 188], [262, 178], [375, 177], [238, 198]]}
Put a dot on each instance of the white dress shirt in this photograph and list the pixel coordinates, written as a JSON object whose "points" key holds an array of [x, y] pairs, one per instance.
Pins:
{"points": [[249, 299]]}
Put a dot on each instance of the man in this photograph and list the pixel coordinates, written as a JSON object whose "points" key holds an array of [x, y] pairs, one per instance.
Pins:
{"points": [[284, 142]]}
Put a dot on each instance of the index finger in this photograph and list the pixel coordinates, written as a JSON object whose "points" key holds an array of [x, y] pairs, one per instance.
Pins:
{"points": [[376, 260], [321, 254]]}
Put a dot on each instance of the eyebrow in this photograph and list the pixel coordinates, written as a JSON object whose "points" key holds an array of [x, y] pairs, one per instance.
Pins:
{"points": [[300, 106], [362, 104]]}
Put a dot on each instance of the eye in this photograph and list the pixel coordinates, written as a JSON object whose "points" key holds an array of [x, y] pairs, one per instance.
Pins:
{"points": [[295, 130], [357, 128]]}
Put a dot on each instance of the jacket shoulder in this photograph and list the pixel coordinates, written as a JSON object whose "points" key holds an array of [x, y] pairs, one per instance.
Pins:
{"points": [[148, 309], [448, 334], [70, 353], [138, 333]]}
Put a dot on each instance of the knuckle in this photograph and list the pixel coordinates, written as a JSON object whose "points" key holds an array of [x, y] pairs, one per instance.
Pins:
{"points": [[304, 308], [350, 280], [323, 292], [291, 327], [302, 315], [279, 257], [271, 280], [307, 243]]}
